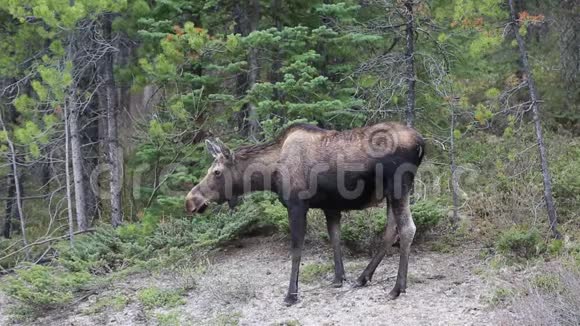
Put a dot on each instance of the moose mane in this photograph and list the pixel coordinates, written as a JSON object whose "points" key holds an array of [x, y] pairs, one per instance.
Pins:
{"points": [[250, 151]]}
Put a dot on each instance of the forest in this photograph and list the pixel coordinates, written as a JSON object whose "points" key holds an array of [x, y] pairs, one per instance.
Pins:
{"points": [[106, 105]]}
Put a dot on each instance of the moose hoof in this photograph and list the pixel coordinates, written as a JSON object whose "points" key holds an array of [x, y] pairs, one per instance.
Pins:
{"points": [[361, 282], [290, 299], [337, 283], [394, 294]]}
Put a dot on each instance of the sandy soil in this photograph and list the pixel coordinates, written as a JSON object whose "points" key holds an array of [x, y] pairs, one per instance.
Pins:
{"points": [[245, 285]]}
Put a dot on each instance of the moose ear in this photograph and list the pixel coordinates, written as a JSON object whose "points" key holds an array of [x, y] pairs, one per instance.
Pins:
{"points": [[213, 148], [223, 149]]}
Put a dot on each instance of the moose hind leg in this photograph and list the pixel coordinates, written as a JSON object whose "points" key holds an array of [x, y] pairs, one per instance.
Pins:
{"points": [[406, 228], [388, 240], [297, 216], [333, 226]]}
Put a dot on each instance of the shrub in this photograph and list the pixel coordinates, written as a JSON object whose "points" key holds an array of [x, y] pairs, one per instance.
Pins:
{"points": [[155, 297], [520, 243], [42, 287], [427, 214], [567, 181], [363, 231], [101, 252], [556, 246]]}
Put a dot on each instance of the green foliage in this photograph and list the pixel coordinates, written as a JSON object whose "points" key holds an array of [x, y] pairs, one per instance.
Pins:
{"points": [[427, 214], [41, 287], [155, 297], [520, 243], [362, 231], [567, 181], [555, 247], [98, 253]]}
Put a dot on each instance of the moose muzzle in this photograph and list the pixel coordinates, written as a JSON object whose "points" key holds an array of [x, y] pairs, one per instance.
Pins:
{"points": [[195, 202]]}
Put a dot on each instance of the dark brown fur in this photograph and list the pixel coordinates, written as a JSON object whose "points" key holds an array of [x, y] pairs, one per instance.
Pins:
{"points": [[309, 167]]}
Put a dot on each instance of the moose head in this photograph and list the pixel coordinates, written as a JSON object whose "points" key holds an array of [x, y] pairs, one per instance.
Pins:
{"points": [[217, 186]]}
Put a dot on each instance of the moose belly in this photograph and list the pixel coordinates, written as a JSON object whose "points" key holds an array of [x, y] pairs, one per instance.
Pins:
{"points": [[351, 192]]}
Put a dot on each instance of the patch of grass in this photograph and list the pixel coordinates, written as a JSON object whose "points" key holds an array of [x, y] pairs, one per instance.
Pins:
{"points": [[312, 272], [293, 322], [549, 299], [227, 319], [441, 246], [155, 297], [168, 318], [231, 289], [117, 302], [547, 282], [500, 296], [186, 273], [498, 262]]}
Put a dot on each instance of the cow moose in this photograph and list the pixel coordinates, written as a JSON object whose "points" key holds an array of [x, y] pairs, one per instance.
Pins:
{"points": [[310, 167]]}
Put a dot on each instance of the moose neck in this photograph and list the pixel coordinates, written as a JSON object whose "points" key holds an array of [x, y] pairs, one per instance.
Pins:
{"points": [[256, 166]]}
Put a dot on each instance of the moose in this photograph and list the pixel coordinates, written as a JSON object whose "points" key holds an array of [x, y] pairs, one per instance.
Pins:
{"points": [[335, 171]]}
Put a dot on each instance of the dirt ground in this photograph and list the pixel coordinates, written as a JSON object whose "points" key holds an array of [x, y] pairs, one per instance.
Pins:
{"points": [[245, 284]]}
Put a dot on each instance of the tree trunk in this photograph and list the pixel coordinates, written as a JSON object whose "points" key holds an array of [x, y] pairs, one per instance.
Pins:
{"points": [[277, 53], [108, 91], [77, 163], [67, 176], [254, 19], [10, 192], [410, 61], [568, 26], [247, 19], [454, 181], [90, 141], [17, 189], [552, 216]]}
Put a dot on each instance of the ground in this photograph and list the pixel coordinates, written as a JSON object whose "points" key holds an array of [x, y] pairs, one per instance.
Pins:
{"points": [[245, 284]]}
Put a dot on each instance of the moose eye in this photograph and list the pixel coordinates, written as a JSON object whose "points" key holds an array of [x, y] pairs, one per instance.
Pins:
{"points": [[217, 173]]}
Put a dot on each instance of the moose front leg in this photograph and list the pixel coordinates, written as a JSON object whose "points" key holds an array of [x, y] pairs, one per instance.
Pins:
{"points": [[297, 215], [333, 225]]}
